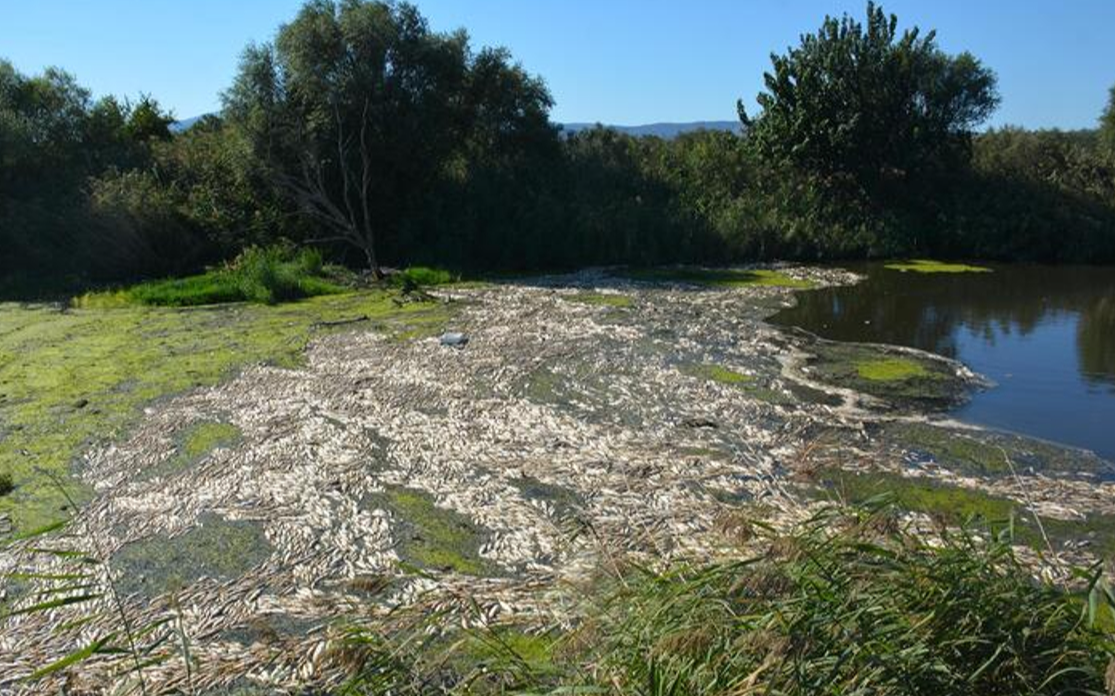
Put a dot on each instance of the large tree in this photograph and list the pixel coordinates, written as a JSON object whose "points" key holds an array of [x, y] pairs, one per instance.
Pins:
{"points": [[359, 108], [1107, 122], [865, 101]]}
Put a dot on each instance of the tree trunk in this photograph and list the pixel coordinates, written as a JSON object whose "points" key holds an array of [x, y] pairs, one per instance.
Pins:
{"points": [[373, 263]]}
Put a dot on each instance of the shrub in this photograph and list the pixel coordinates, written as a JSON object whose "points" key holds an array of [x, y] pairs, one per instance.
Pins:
{"points": [[416, 277], [871, 608], [850, 602], [6, 484], [264, 275]]}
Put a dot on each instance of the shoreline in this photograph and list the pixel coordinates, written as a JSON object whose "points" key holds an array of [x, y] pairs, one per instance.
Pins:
{"points": [[645, 411]]}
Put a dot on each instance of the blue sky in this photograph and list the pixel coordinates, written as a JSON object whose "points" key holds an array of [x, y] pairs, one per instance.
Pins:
{"points": [[614, 61]]}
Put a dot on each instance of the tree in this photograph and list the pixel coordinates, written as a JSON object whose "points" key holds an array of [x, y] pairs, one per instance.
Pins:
{"points": [[1107, 122], [355, 109], [865, 102]]}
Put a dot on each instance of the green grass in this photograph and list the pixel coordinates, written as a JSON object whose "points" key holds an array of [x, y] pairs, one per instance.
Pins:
{"points": [[891, 369], [846, 602], [600, 299], [849, 605], [75, 378], [930, 266], [266, 276], [719, 277], [424, 276]]}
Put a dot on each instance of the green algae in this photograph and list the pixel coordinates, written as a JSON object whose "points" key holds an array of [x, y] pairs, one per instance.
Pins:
{"points": [[963, 453], [600, 299], [216, 548], [744, 382], [890, 369], [565, 501], [956, 505], [719, 277], [901, 380], [543, 385], [985, 453], [73, 378], [431, 537], [718, 373], [197, 442], [931, 266], [206, 437]]}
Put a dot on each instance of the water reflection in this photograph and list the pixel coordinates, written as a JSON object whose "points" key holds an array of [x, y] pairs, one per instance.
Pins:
{"points": [[1046, 334]]}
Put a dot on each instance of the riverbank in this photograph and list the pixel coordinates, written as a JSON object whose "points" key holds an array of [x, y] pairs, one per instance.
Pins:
{"points": [[590, 417]]}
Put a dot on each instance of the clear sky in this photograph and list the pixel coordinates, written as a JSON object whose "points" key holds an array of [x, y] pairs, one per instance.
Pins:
{"points": [[614, 61]]}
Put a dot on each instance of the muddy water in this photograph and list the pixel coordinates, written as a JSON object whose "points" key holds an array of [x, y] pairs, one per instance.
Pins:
{"points": [[1044, 335]]}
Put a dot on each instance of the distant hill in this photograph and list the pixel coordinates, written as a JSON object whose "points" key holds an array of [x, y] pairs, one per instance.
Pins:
{"points": [[185, 123], [661, 130]]}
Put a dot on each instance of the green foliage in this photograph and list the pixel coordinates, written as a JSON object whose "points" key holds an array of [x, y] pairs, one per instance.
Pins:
{"points": [[1041, 195], [6, 484], [360, 129], [852, 605], [358, 109], [53, 138], [267, 276], [424, 276], [865, 102], [1107, 123]]}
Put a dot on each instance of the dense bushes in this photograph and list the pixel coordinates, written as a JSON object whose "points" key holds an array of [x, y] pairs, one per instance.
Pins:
{"points": [[460, 166]]}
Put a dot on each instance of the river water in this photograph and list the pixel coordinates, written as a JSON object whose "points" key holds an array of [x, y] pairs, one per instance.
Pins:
{"points": [[1044, 335]]}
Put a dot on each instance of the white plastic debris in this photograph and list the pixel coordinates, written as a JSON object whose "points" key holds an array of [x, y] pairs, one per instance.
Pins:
{"points": [[454, 339]]}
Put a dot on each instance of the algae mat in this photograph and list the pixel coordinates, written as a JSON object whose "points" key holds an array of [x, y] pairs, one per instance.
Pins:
{"points": [[70, 378]]}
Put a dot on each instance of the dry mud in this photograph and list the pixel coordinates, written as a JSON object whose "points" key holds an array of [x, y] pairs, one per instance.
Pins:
{"points": [[563, 433]]}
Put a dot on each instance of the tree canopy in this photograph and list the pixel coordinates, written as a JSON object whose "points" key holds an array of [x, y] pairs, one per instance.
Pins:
{"points": [[864, 101], [358, 108], [363, 132], [1107, 122]]}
